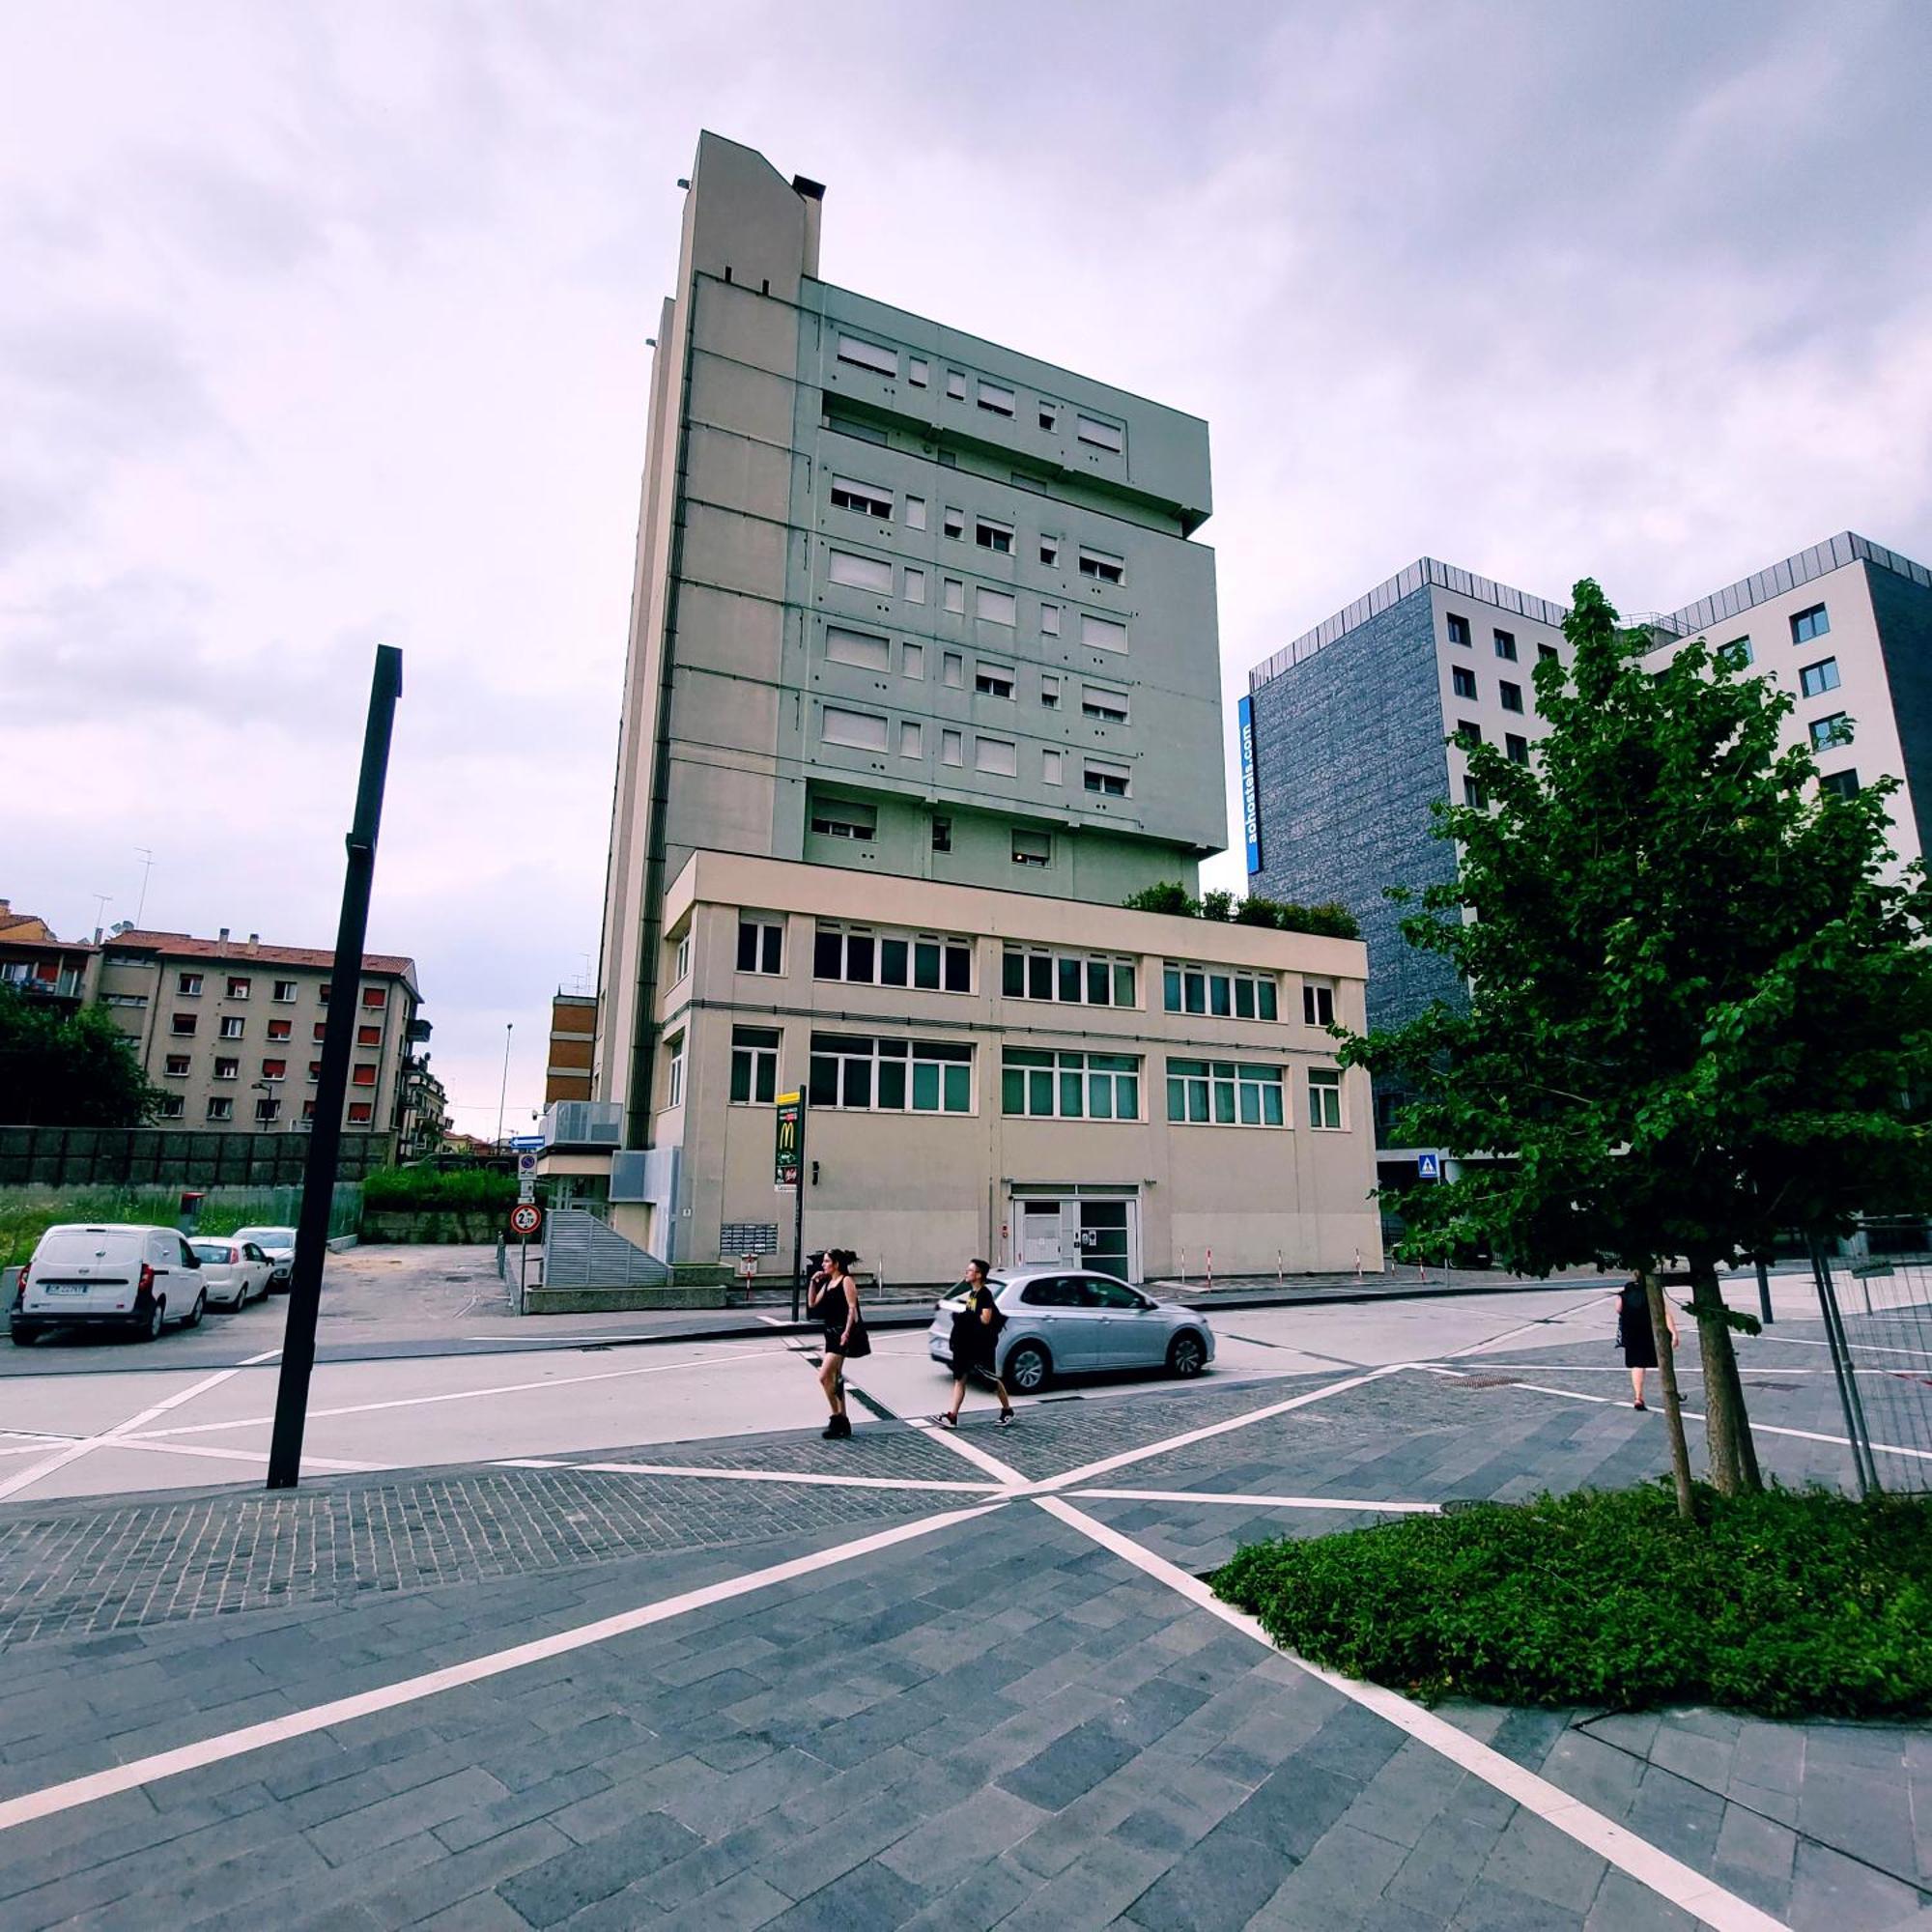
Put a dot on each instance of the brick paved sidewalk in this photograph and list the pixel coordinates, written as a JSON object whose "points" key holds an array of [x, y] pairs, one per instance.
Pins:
{"points": [[1000, 1721]]}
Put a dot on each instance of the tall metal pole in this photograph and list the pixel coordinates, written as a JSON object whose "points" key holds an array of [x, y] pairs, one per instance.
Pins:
{"points": [[509, 1027], [332, 1086], [798, 1213]]}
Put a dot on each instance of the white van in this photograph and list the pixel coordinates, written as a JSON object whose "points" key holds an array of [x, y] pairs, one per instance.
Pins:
{"points": [[112, 1275]]}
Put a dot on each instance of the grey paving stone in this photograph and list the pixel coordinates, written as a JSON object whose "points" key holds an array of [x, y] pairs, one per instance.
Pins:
{"points": [[548, 1892], [1398, 1802], [1335, 1886], [1069, 1766], [1494, 1908], [1217, 1886], [1094, 1890], [737, 1905], [1623, 1905], [1536, 1860], [868, 1898], [1291, 1811], [1830, 1891], [944, 1851], [355, 1834]]}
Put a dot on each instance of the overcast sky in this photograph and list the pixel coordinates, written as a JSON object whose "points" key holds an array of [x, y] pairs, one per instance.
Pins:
{"points": [[321, 326]]}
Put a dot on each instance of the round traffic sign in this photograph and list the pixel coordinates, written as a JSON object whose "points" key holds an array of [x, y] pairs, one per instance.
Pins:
{"points": [[525, 1218]]}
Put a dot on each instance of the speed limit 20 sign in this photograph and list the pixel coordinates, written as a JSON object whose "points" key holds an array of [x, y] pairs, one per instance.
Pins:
{"points": [[525, 1218]]}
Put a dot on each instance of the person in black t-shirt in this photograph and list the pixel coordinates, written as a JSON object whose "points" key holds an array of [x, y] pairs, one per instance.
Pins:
{"points": [[834, 1297], [976, 1344]]}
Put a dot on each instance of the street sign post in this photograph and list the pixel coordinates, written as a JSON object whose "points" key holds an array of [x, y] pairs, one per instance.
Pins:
{"points": [[1428, 1167], [788, 1171], [525, 1220]]}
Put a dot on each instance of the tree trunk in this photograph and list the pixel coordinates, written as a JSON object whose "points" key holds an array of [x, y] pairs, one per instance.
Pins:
{"points": [[1673, 1409], [1727, 1427]]}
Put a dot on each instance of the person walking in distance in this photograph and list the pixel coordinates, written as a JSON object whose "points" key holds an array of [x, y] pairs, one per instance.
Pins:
{"points": [[1637, 1336], [976, 1344], [834, 1297]]}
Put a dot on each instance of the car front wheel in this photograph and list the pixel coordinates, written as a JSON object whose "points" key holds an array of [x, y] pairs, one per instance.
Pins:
{"points": [[1185, 1355], [1028, 1368]]}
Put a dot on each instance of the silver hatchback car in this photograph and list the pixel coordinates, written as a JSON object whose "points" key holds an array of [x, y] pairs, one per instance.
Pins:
{"points": [[1063, 1322]]}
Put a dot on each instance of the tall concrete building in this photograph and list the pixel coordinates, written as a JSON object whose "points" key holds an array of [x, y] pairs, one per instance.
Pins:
{"points": [[922, 682], [1353, 725]]}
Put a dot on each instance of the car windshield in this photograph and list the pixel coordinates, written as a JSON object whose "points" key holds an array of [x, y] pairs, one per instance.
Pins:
{"points": [[79, 1247], [211, 1251], [268, 1238]]}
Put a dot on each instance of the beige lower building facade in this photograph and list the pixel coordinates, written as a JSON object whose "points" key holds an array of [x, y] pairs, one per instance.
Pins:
{"points": [[995, 1074]]}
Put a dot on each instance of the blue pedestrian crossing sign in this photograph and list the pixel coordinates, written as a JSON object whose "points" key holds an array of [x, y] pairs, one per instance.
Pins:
{"points": [[1429, 1167]]}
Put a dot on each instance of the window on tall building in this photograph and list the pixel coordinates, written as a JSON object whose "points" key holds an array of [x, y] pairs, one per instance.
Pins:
{"points": [[912, 739], [1049, 552], [1049, 417], [993, 680], [955, 384], [857, 648], [995, 606], [361, 1113], [281, 1029], [835, 818], [1815, 680], [953, 522], [1049, 620], [952, 748], [1101, 565], [998, 755], [1097, 701], [862, 730], [1031, 848], [1463, 680], [268, 1108], [1107, 780], [1458, 628], [912, 661], [315, 1070], [238, 988], [915, 584], [221, 1107], [858, 1073], [1318, 1003], [183, 1025], [170, 1106], [954, 599], [1325, 1098], [996, 397], [1827, 732], [1741, 650], [1808, 624], [1102, 633], [675, 1070], [754, 1065], [1517, 747], [1052, 766], [176, 1066], [1506, 644], [866, 500], [1224, 992], [1549, 653], [1844, 784], [364, 1074], [995, 537], [1473, 794], [942, 833], [285, 990], [918, 371], [1511, 694], [760, 945], [233, 1026], [372, 1036], [1101, 435], [860, 573], [861, 956], [869, 354], [1468, 732], [1042, 1085], [953, 670], [188, 986], [915, 513], [1225, 1094]]}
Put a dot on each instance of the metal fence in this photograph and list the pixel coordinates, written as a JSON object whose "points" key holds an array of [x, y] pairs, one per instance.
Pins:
{"points": [[1875, 1299], [186, 1157]]}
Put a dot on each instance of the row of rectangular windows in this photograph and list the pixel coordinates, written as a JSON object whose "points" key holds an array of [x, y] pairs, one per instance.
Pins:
{"points": [[176, 1067], [991, 605], [939, 963], [996, 758], [859, 1073], [188, 986], [868, 651], [997, 399], [173, 1107], [990, 533], [232, 1026]]}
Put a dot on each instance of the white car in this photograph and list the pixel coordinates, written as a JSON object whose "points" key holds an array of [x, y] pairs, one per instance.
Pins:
{"points": [[234, 1272], [1064, 1321], [280, 1245], [108, 1275]]}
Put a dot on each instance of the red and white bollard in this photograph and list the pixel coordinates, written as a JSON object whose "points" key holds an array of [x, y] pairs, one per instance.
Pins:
{"points": [[1279, 1279], [1210, 1270], [1358, 1264], [1183, 1267]]}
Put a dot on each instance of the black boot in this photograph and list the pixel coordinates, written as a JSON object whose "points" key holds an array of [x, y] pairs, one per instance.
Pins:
{"points": [[839, 1426]]}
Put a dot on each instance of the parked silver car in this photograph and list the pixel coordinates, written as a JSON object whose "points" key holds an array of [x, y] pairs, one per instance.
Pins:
{"points": [[1063, 1322], [280, 1245], [234, 1272]]}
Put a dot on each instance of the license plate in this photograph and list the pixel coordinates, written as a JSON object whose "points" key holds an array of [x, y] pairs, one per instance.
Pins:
{"points": [[67, 1287]]}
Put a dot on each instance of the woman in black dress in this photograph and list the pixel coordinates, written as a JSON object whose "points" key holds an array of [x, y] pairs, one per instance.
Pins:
{"points": [[835, 1299], [1639, 1337], [976, 1344]]}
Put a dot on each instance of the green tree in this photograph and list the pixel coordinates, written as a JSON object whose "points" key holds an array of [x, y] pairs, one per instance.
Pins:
{"points": [[76, 1070], [1699, 995]]}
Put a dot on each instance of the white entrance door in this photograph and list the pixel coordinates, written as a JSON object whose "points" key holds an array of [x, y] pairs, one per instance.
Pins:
{"points": [[1040, 1233]]}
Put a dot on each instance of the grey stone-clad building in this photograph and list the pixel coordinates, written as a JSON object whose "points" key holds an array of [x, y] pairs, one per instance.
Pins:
{"points": [[1354, 724]]}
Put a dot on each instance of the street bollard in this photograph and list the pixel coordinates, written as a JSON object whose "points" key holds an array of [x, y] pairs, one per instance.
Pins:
{"points": [[1210, 1270]]}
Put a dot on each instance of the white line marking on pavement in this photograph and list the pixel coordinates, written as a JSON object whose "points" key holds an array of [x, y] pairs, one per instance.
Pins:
{"points": [[768, 1476], [1542, 1322], [1259, 1502], [471, 1395], [1689, 1414], [775, 1321], [99, 1784], [1703, 1897], [76, 1450], [1010, 1477], [1868, 1348], [1087, 1471]]}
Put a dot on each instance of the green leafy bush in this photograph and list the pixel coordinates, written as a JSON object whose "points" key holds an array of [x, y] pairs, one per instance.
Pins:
{"points": [[422, 1189], [1170, 897], [1786, 1604], [1331, 919]]}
